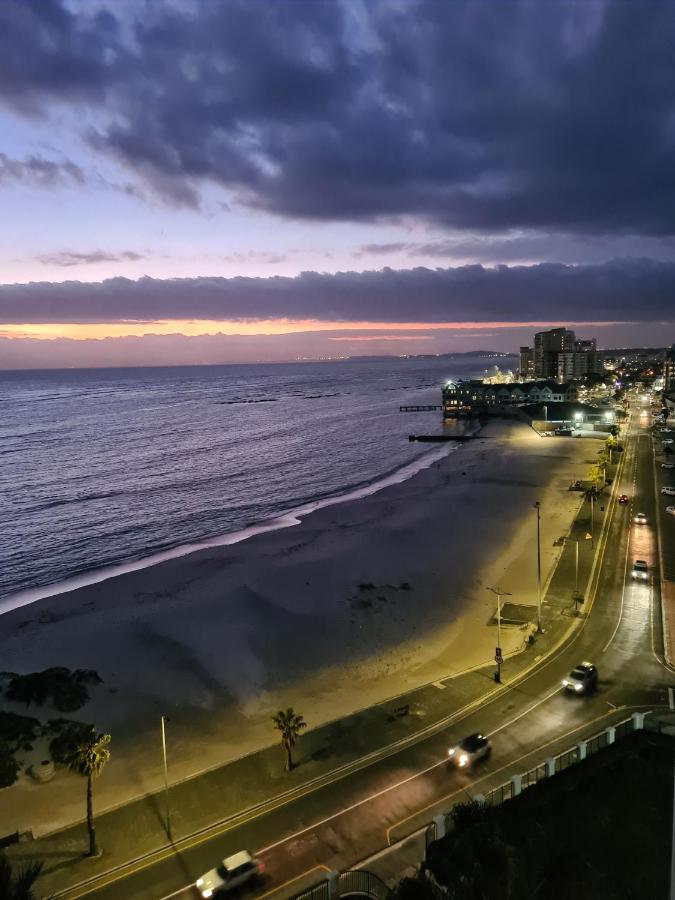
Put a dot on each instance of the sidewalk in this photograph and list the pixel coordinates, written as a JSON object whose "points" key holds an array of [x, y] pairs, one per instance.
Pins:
{"points": [[246, 787]]}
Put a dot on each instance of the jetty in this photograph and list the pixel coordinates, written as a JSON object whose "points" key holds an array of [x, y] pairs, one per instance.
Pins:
{"points": [[419, 408], [439, 438]]}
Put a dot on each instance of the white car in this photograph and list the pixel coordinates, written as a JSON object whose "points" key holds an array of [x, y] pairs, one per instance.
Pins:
{"points": [[231, 873], [667, 441], [670, 510], [469, 750], [640, 570], [668, 490], [668, 465], [640, 519]]}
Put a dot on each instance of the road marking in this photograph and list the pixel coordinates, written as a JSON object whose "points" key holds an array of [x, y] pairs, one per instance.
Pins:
{"points": [[439, 685], [625, 569]]}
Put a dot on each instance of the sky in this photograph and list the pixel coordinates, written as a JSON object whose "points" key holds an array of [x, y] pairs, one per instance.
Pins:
{"points": [[186, 181]]}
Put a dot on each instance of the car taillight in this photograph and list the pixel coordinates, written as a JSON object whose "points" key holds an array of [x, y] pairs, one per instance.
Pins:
{"points": [[261, 867]]}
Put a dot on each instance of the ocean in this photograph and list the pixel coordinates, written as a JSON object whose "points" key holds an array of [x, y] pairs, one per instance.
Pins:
{"points": [[104, 467]]}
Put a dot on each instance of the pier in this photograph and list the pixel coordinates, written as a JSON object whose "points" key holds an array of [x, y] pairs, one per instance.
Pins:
{"points": [[419, 408], [439, 438]]}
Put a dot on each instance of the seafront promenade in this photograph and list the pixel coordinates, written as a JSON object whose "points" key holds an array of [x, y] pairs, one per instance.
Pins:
{"points": [[253, 792]]}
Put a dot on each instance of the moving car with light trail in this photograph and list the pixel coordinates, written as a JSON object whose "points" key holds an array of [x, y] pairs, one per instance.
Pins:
{"points": [[640, 570], [231, 873], [623, 499], [640, 519], [581, 680], [469, 751]]}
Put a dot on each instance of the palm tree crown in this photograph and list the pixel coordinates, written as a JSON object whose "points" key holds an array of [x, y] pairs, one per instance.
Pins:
{"points": [[88, 756]]}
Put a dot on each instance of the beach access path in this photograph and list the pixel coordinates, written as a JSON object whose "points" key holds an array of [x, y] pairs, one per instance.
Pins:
{"points": [[359, 603]]}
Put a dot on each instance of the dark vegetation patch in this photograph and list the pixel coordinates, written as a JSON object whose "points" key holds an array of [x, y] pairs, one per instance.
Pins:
{"points": [[65, 689]]}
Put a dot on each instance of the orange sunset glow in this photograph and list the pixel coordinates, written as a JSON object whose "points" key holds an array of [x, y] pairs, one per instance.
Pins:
{"points": [[196, 327]]}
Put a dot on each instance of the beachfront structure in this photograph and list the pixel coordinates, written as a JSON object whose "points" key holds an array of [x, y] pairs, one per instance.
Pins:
{"points": [[465, 398]]}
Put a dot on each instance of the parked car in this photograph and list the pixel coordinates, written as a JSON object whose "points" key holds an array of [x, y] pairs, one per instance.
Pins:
{"points": [[667, 441], [640, 570], [668, 465], [581, 680], [670, 491], [670, 510], [231, 873], [469, 750], [640, 519], [623, 498]]}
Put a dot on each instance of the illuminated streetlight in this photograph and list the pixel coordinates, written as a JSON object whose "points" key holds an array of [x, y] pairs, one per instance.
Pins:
{"points": [[537, 507]]}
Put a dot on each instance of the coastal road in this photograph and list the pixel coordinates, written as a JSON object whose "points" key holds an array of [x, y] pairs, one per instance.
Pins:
{"points": [[340, 824]]}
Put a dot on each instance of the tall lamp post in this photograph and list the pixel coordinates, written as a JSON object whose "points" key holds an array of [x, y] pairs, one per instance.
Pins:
{"points": [[498, 649], [537, 506], [166, 781]]}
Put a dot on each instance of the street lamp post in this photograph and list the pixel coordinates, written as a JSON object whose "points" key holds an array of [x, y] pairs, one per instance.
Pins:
{"points": [[166, 781], [498, 649], [592, 522], [537, 506]]}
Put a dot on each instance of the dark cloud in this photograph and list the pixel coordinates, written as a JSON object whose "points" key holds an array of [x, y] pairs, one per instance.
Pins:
{"points": [[68, 258], [38, 171], [619, 291], [483, 116]]}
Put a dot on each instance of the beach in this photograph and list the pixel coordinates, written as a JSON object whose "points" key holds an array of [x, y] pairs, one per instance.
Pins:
{"points": [[359, 602]]}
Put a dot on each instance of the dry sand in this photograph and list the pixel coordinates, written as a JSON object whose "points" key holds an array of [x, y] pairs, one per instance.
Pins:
{"points": [[221, 639]]}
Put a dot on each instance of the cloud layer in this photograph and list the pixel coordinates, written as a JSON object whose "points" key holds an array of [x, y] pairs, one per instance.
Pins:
{"points": [[619, 291], [487, 116]]}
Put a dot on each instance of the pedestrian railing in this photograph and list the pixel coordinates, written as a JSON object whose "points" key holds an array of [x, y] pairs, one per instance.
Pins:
{"points": [[354, 883]]}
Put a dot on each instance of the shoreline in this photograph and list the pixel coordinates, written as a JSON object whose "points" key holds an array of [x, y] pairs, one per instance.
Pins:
{"points": [[284, 519], [360, 602]]}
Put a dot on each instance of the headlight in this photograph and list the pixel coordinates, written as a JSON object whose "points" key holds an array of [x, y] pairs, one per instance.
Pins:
{"points": [[207, 893], [463, 759], [565, 682], [578, 687], [451, 751], [200, 882]]}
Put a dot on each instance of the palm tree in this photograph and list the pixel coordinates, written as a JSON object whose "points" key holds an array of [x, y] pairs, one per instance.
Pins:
{"points": [[290, 724], [19, 887], [87, 757]]}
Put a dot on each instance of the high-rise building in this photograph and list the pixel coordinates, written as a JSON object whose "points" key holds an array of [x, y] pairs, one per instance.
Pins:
{"points": [[547, 346], [669, 370], [577, 363], [526, 367]]}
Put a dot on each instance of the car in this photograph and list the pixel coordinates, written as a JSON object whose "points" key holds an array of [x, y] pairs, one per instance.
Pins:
{"points": [[666, 430], [623, 498], [670, 510], [668, 465], [469, 750], [640, 519], [232, 872], [670, 491], [667, 441], [640, 570], [582, 679]]}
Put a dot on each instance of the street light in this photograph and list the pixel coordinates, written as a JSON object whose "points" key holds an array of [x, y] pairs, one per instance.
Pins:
{"points": [[537, 506], [498, 649], [166, 781]]}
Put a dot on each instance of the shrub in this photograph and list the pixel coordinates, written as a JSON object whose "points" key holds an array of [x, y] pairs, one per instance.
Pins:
{"points": [[9, 767], [68, 735], [17, 731]]}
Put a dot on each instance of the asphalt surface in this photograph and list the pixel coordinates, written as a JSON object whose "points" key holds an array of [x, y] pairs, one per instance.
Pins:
{"points": [[350, 820]]}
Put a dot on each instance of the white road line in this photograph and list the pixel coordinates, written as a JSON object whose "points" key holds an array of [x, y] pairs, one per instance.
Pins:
{"points": [[623, 586]]}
